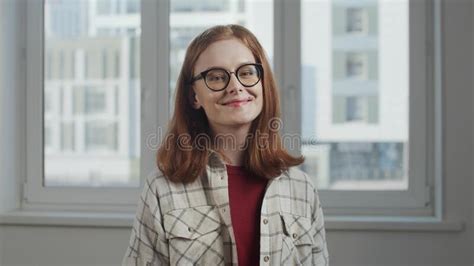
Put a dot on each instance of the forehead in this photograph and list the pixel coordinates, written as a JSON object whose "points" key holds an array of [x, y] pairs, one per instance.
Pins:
{"points": [[224, 53]]}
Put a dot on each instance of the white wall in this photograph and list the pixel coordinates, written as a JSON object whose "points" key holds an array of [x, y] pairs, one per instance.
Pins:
{"points": [[63, 246], [40, 245]]}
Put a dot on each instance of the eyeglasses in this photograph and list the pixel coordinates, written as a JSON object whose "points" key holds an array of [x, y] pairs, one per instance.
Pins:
{"points": [[217, 78]]}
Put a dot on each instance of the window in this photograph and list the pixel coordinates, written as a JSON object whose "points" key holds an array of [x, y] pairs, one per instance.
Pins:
{"points": [[93, 94], [67, 136], [356, 66], [95, 100], [133, 6], [91, 151], [201, 6], [353, 84], [101, 135], [366, 166], [355, 108], [356, 20], [357, 126]]}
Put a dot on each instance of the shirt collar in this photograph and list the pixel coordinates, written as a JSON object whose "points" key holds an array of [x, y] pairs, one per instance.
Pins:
{"points": [[215, 159]]}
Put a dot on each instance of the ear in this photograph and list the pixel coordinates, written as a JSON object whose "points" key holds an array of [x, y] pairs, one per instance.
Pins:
{"points": [[194, 99]]}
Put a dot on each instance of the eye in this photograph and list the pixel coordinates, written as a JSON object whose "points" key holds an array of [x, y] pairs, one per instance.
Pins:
{"points": [[246, 72], [216, 76]]}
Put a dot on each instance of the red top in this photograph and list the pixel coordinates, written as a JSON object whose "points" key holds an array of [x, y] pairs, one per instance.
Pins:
{"points": [[246, 192]]}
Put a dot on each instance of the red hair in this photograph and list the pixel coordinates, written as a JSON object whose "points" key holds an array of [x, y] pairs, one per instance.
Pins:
{"points": [[182, 156]]}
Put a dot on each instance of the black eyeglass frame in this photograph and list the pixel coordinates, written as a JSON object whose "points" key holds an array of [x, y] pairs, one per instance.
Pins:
{"points": [[204, 73]]}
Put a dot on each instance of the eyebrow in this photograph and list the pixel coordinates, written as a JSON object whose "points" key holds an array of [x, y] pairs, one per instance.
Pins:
{"points": [[241, 64]]}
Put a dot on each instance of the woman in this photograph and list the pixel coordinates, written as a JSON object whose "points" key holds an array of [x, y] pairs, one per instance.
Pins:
{"points": [[226, 191]]}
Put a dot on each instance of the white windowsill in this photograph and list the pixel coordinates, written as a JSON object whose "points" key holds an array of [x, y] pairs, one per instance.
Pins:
{"points": [[387, 224], [69, 219], [125, 220]]}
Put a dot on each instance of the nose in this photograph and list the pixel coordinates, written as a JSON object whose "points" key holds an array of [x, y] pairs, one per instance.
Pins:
{"points": [[234, 84]]}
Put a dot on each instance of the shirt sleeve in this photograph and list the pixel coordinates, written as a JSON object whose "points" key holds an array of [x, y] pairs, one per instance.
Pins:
{"points": [[148, 245], [320, 250]]}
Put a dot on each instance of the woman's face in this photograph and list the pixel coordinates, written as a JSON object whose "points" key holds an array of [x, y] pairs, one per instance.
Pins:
{"points": [[221, 113]]}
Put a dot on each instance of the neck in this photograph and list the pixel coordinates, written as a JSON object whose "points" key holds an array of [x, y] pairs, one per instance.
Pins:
{"points": [[230, 142]]}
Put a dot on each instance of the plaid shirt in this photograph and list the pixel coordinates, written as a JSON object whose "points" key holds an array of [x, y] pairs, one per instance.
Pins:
{"points": [[187, 224]]}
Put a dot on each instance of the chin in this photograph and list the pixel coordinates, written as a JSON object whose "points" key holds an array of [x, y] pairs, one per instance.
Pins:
{"points": [[237, 122]]}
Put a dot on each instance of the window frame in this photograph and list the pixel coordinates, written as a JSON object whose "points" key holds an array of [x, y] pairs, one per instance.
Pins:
{"points": [[153, 117], [425, 120], [425, 153]]}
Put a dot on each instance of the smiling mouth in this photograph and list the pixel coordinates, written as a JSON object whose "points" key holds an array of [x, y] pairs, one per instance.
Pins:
{"points": [[237, 103]]}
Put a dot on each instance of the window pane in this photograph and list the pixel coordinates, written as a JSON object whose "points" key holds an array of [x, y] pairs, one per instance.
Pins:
{"points": [[355, 93], [92, 93], [189, 18]]}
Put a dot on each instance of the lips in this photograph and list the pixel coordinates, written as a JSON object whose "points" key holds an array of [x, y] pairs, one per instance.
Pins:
{"points": [[236, 101]]}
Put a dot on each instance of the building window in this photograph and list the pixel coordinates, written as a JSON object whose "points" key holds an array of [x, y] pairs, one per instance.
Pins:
{"points": [[101, 135], [357, 20], [133, 6], [95, 100], [356, 109], [67, 136], [356, 66], [353, 164]]}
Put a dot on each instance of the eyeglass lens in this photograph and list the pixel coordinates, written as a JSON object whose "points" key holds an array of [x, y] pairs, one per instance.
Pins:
{"points": [[217, 79]]}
